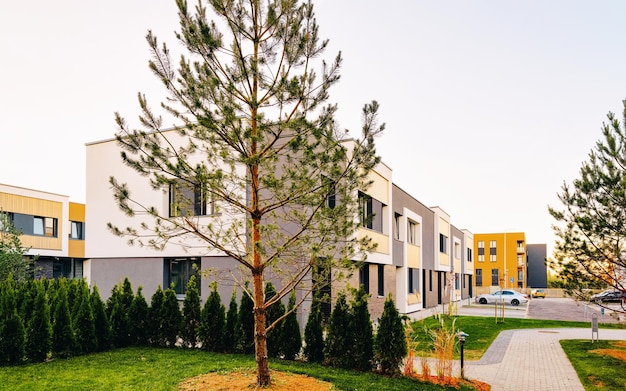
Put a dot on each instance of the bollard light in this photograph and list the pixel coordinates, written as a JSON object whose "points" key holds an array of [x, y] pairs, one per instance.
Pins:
{"points": [[462, 336]]}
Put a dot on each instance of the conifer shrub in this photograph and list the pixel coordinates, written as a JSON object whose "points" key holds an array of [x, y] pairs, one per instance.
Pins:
{"points": [[213, 322], [390, 345], [171, 318], [338, 343], [155, 319], [314, 333], [39, 329], [291, 339], [139, 323], [272, 313], [12, 332], [245, 324], [230, 332], [83, 322], [63, 340], [101, 321], [191, 314], [361, 331]]}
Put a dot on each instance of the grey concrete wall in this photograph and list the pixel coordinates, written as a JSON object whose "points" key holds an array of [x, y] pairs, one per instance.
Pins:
{"points": [[537, 270]]}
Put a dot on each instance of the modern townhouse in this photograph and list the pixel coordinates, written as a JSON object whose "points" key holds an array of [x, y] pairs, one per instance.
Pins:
{"points": [[500, 261], [53, 229]]}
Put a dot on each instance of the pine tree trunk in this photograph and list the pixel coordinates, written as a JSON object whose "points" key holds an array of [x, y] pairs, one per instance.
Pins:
{"points": [[260, 335]]}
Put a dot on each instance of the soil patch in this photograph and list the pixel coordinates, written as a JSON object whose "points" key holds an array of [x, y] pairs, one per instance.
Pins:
{"points": [[246, 380]]}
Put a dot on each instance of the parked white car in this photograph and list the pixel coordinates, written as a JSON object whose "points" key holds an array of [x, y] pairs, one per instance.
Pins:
{"points": [[507, 296]]}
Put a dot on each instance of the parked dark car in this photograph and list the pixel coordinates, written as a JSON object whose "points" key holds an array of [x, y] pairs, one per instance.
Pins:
{"points": [[609, 296]]}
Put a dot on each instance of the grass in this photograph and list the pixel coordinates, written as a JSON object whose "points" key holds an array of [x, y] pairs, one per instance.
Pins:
{"points": [[163, 369], [596, 364], [482, 332]]}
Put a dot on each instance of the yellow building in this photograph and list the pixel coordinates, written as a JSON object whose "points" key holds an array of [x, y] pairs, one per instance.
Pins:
{"points": [[52, 227], [500, 260]]}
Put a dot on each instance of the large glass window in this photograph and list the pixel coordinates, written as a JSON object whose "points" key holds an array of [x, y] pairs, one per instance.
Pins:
{"points": [[494, 277], [479, 277], [396, 226], [179, 271], [45, 226], [413, 233], [381, 280], [366, 211], [469, 255], [189, 200], [76, 230], [443, 243], [364, 277]]}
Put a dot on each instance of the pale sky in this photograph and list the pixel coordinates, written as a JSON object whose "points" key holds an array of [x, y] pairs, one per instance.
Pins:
{"points": [[489, 105]]}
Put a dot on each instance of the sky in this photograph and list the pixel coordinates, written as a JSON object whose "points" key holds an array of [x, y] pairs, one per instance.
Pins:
{"points": [[490, 106]]}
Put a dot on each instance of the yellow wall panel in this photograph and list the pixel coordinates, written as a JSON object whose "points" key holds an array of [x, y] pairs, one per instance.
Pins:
{"points": [[41, 242], [444, 227], [76, 248], [381, 239], [414, 298], [413, 256], [379, 189], [77, 212], [444, 259], [31, 206]]}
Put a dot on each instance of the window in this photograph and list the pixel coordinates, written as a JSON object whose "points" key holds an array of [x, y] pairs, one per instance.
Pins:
{"points": [[67, 268], [381, 280], [413, 283], [469, 255], [479, 277], [5, 217], [481, 244], [457, 250], [430, 280], [492, 258], [413, 233], [520, 275], [76, 230], [481, 258], [494, 277], [45, 226], [443, 243], [179, 271], [456, 280], [331, 195], [364, 277], [396, 225], [481, 251], [366, 213], [520, 246], [189, 200], [492, 244]]}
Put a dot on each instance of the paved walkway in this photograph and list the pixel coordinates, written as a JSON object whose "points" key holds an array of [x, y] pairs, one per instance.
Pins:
{"points": [[532, 360]]}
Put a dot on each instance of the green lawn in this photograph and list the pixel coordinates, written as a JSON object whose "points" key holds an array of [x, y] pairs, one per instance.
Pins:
{"points": [[163, 369], [482, 331], [596, 369]]}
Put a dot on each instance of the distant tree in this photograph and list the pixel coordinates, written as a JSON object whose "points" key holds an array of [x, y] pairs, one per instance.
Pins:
{"points": [[83, 321], [258, 135], [39, 329], [230, 333], [101, 321], [12, 332], [191, 314], [291, 339], [360, 326], [171, 318], [273, 314], [13, 258], [390, 346], [139, 315], [590, 225], [213, 322], [338, 342], [314, 333], [155, 318], [245, 324], [63, 339]]}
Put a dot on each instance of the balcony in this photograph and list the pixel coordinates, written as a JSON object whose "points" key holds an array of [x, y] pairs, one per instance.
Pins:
{"points": [[521, 249]]}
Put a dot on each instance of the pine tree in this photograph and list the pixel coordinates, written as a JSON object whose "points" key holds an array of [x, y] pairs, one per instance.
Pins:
{"points": [[273, 312], [338, 343], [245, 324], [101, 321], [191, 314], [84, 324], [171, 318], [118, 319], [138, 316], [63, 339], [155, 328], [39, 329], [213, 322], [230, 333], [390, 345], [253, 115], [360, 326], [314, 333], [291, 339]]}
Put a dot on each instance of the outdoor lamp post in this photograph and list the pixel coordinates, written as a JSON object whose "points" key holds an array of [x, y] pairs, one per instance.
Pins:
{"points": [[461, 335]]}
